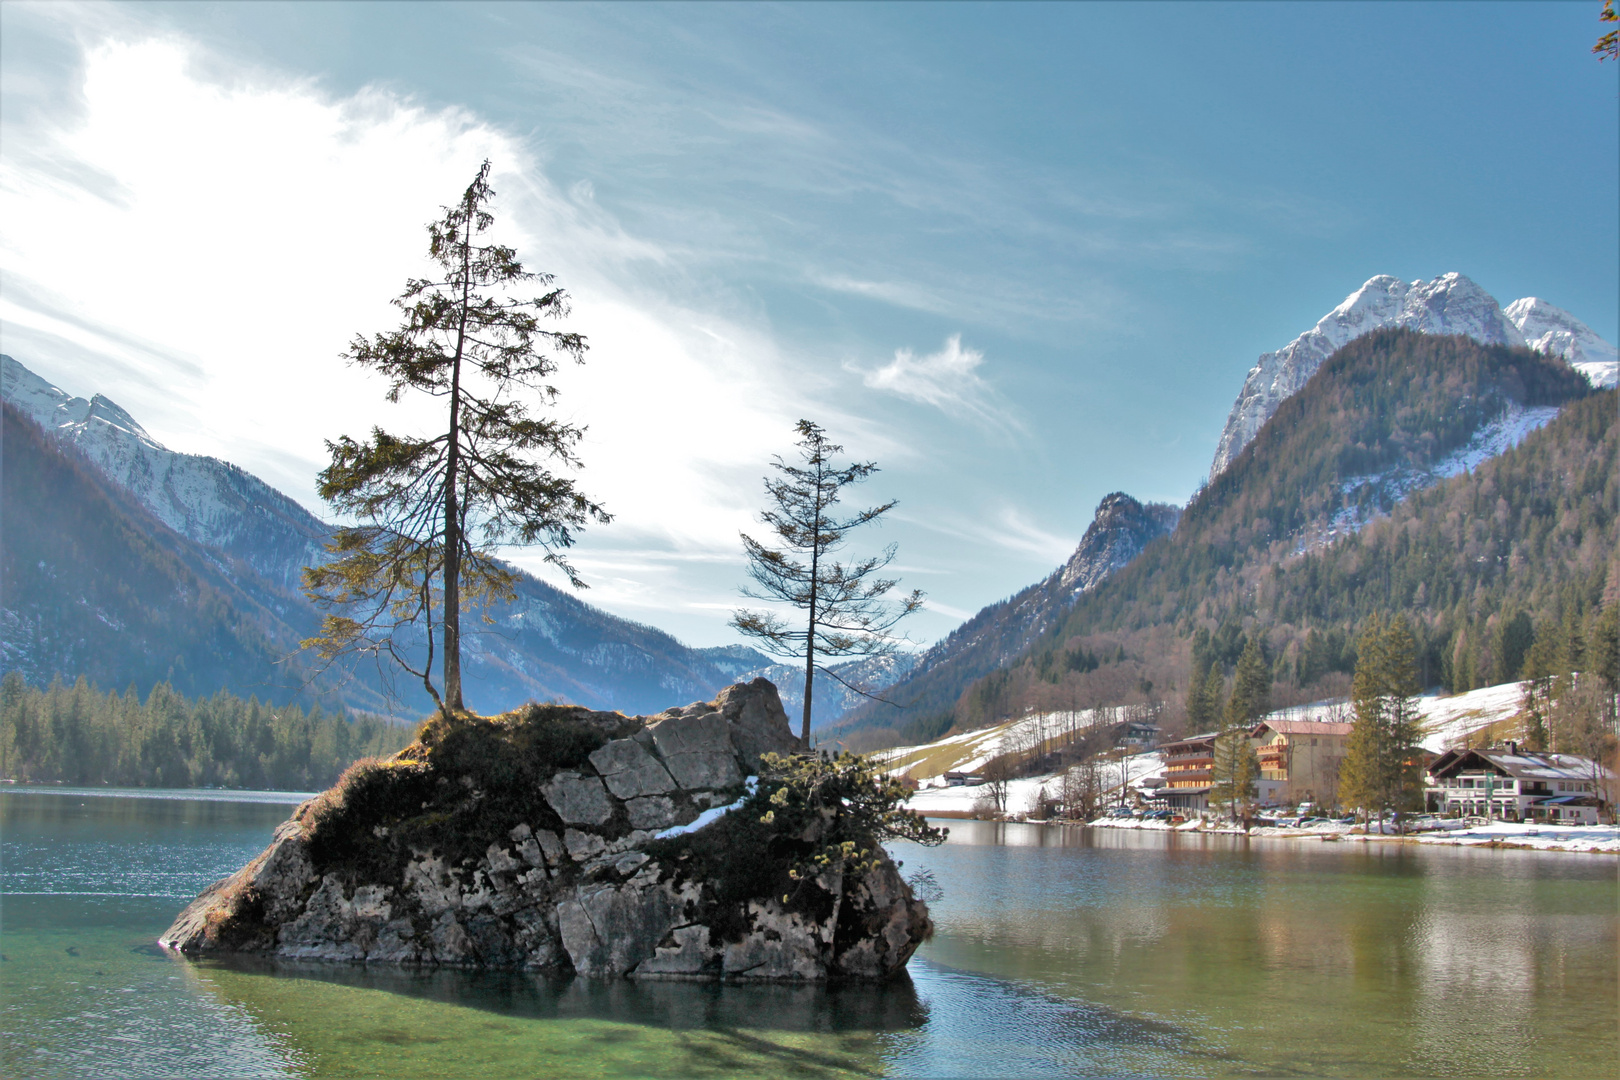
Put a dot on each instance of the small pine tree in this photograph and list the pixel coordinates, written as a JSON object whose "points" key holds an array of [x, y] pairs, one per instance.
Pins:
{"points": [[1234, 771], [847, 608], [1197, 714], [432, 510], [1404, 724]]}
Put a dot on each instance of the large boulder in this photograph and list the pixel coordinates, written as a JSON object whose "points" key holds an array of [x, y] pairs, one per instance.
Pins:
{"points": [[533, 841]]}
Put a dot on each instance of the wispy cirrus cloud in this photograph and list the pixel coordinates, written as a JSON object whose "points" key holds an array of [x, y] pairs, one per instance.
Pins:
{"points": [[950, 381]]}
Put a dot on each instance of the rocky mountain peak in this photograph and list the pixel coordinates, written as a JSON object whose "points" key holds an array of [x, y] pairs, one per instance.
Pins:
{"points": [[1118, 532], [1450, 304], [54, 409]]}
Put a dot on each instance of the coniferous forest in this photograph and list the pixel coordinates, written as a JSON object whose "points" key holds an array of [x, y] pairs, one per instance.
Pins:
{"points": [[77, 734]]}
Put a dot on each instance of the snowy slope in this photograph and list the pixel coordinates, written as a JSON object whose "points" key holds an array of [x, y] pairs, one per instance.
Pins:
{"points": [[1496, 437], [203, 499], [1450, 304], [1555, 332], [1448, 721]]}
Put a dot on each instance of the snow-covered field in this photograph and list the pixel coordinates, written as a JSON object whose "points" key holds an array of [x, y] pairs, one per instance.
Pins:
{"points": [[1022, 794], [1447, 721]]}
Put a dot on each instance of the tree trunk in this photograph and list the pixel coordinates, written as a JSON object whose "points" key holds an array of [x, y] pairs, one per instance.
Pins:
{"points": [[452, 512], [810, 635]]}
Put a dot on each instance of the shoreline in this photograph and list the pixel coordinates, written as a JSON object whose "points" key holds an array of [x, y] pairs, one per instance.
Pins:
{"points": [[1583, 840], [236, 795]]}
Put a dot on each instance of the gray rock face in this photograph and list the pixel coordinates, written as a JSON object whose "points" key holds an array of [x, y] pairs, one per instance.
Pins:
{"points": [[629, 770], [572, 889], [578, 800], [698, 749]]}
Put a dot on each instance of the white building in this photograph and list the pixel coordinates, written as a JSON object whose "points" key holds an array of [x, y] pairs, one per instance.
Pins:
{"points": [[1519, 785]]}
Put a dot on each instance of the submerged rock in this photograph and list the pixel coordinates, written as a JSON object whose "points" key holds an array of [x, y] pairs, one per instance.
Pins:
{"points": [[532, 841]]}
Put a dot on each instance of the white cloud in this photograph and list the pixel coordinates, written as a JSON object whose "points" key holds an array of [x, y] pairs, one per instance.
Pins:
{"points": [[947, 610], [948, 380], [259, 224], [1006, 528]]}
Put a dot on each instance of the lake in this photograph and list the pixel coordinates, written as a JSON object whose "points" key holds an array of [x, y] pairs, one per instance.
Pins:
{"points": [[1060, 952]]}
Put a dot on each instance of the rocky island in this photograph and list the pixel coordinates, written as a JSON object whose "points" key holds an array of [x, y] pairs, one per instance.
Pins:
{"points": [[700, 843]]}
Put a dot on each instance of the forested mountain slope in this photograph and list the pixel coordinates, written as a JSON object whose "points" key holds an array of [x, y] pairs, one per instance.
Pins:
{"points": [[1118, 532], [92, 584], [1524, 544], [1340, 506]]}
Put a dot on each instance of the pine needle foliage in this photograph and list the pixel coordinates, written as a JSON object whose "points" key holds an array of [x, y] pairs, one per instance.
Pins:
{"points": [[1234, 771], [847, 607], [1236, 767], [433, 508]]}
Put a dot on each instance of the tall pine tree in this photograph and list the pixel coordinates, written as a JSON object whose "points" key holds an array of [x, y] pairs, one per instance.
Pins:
{"points": [[1382, 768], [432, 509], [1236, 767]]}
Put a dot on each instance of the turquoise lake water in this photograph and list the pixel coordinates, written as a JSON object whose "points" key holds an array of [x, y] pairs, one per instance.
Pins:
{"points": [[1060, 952]]}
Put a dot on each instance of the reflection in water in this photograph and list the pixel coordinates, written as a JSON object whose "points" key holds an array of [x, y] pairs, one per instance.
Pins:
{"points": [[1060, 952], [894, 1006], [1342, 959]]}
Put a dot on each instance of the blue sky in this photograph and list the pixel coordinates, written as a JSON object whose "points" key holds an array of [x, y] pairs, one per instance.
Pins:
{"points": [[1020, 255]]}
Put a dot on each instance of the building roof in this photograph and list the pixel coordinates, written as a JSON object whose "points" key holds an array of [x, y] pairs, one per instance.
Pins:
{"points": [[1191, 742], [1301, 727], [1520, 764]]}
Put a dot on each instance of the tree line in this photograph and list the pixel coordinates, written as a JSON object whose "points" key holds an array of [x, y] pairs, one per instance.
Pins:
{"points": [[78, 734]]}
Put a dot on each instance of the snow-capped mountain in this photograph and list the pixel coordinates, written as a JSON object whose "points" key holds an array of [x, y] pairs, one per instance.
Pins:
{"points": [[255, 541], [204, 499], [1553, 331], [1450, 304]]}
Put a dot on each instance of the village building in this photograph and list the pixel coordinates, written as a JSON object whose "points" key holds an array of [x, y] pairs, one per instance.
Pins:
{"points": [[1188, 770], [1301, 758], [1136, 735], [1518, 785]]}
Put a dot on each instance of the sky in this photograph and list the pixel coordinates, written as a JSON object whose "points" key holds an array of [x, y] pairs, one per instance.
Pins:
{"points": [[1020, 256]]}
